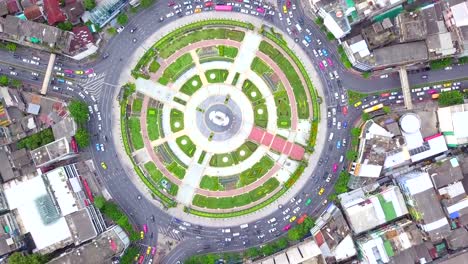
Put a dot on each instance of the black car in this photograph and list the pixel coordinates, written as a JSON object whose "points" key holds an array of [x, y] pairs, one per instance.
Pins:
{"points": [[34, 78], [152, 218], [105, 55]]}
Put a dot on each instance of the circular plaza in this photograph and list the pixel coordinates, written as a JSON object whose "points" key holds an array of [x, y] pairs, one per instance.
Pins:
{"points": [[220, 117]]}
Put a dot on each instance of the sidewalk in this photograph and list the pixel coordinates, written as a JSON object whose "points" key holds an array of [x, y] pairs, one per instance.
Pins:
{"points": [[178, 212]]}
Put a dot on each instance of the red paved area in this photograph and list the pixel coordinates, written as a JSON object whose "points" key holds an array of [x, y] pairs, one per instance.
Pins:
{"points": [[279, 144], [267, 139], [297, 152], [256, 134]]}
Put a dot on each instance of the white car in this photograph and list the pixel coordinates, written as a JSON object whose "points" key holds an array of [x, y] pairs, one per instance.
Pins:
{"points": [[420, 94], [227, 239], [170, 15], [92, 98], [102, 147], [272, 230], [99, 116], [81, 95], [280, 16], [188, 7], [226, 230], [55, 88], [336, 74], [26, 60], [308, 31], [175, 231], [91, 75], [289, 31], [86, 92], [286, 211], [182, 228], [298, 201], [315, 53], [334, 109], [189, 12], [294, 7], [272, 220], [305, 43], [338, 125], [68, 82], [325, 63], [374, 102], [13, 73], [96, 108], [34, 74], [288, 21], [290, 14], [384, 76], [120, 29], [286, 217], [296, 210], [331, 76], [69, 88], [36, 58], [57, 68], [261, 236], [90, 108]]}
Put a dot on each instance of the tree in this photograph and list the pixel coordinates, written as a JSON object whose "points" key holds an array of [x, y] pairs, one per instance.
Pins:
{"points": [[294, 233], [441, 64], [67, 26], [112, 31], [268, 249], [122, 19], [99, 201], [79, 111], [319, 21], [18, 258], [351, 155], [450, 98], [341, 185], [365, 116], [330, 36], [82, 137], [4, 80], [16, 83], [282, 243], [366, 75], [387, 109], [146, 3], [308, 223], [355, 132], [89, 4], [129, 255], [252, 252], [11, 47]]}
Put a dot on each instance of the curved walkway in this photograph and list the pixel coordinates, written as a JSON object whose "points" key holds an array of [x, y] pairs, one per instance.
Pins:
{"points": [[321, 138]]}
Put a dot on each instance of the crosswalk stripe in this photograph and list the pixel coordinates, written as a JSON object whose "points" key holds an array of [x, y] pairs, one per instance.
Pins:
{"points": [[94, 84]]}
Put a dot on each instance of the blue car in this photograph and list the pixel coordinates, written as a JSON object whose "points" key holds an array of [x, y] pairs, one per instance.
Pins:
{"points": [[98, 148], [60, 80], [338, 144], [345, 124], [325, 53], [308, 39]]}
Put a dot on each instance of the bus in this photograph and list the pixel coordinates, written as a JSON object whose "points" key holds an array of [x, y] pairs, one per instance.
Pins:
{"points": [[223, 8], [373, 108]]}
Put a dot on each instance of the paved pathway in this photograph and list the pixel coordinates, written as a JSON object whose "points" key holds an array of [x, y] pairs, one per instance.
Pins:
{"points": [[245, 55], [277, 143], [198, 67], [178, 212], [191, 180]]}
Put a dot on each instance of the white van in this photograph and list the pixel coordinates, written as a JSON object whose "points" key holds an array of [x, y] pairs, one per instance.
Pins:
{"points": [[341, 158], [244, 226], [298, 27], [305, 43], [235, 234], [330, 138]]}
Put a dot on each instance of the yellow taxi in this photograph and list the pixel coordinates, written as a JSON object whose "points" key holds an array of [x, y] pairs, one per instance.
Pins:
{"points": [[142, 234], [285, 9], [148, 251], [358, 104], [447, 84], [103, 165], [321, 191], [197, 10], [292, 219], [80, 72]]}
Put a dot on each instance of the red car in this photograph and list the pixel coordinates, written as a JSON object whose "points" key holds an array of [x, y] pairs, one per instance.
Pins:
{"points": [[288, 3], [321, 66], [345, 110], [171, 3], [145, 228], [385, 95], [140, 260], [153, 251], [335, 167], [330, 62], [432, 91], [303, 217], [287, 227], [89, 71], [208, 4]]}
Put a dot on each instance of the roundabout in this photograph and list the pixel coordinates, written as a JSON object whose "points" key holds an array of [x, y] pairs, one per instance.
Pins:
{"points": [[226, 125]]}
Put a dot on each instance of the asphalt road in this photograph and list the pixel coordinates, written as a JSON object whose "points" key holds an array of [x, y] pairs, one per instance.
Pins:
{"points": [[199, 239]]}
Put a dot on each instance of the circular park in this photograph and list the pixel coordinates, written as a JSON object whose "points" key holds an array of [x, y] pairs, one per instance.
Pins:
{"points": [[219, 118]]}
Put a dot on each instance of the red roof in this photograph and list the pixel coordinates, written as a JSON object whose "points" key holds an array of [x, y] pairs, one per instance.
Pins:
{"points": [[32, 12], [82, 37], [53, 12], [12, 6]]}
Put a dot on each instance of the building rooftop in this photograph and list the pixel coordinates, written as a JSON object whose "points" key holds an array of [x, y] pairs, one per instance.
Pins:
{"points": [[64, 128], [81, 226], [82, 38], [32, 12], [53, 12], [457, 258], [51, 151], [452, 124], [10, 239], [101, 250], [445, 172], [399, 54], [305, 252], [367, 212]]}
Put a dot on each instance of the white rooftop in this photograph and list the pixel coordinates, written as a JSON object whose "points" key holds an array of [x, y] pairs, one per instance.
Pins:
{"points": [[333, 27], [369, 170], [345, 249], [460, 126], [435, 225], [58, 181], [452, 190], [458, 206], [460, 12], [437, 145], [417, 182], [25, 196], [361, 48]]}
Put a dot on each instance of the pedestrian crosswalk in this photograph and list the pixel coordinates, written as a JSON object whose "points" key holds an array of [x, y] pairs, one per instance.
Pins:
{"points": [[93, 85], [168, 231]]}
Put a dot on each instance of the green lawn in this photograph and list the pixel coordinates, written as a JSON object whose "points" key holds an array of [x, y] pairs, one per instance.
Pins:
{"points": [[136, 106], [292, 75], [221, 160], [283, 110], [260, 67], [211, 183], [152, 121], [178, 67], [192, 85], [183, 40], [186, 145], [244, 151], [227, 51], [236, 201], [252, 92], [219, 75], [154, 66], [157, 177], [261, 115], [255, 172], [176, 169], [177, 120], [135, 133]]}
